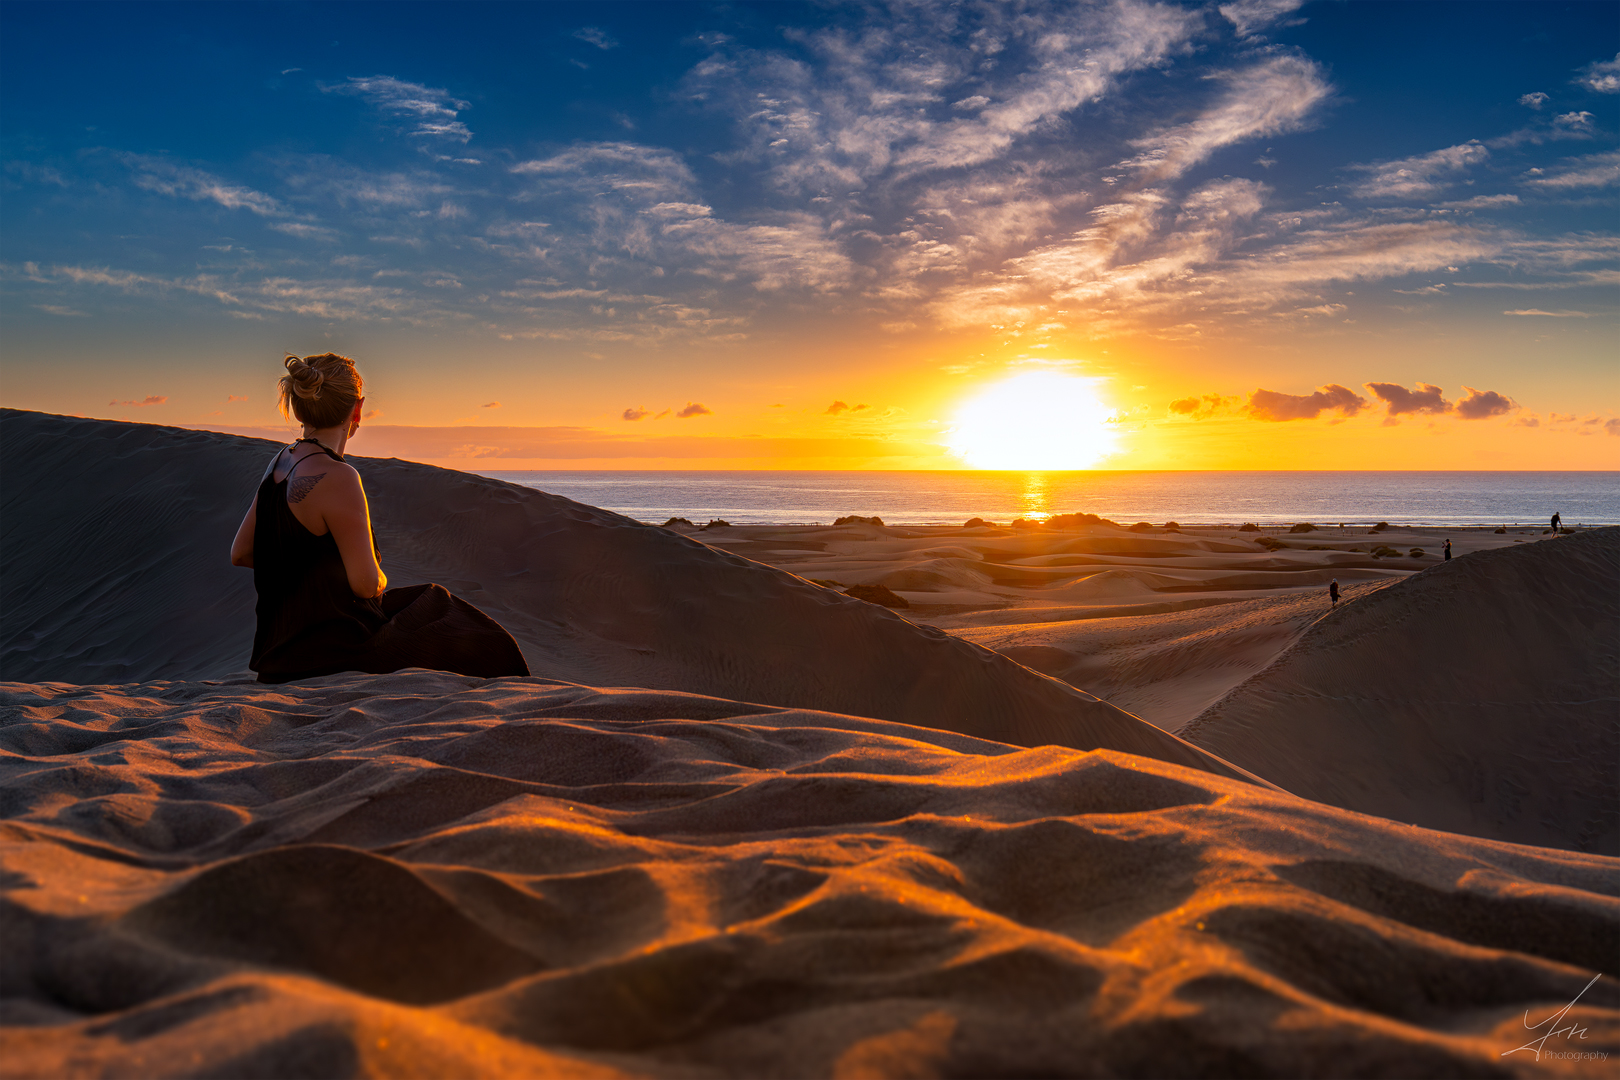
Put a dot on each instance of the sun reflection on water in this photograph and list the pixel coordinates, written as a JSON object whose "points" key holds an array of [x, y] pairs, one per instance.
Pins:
{"points": [[1035, 497]]}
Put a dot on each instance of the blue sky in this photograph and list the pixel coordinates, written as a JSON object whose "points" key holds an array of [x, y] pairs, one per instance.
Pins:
{"points": [[585, 211]]}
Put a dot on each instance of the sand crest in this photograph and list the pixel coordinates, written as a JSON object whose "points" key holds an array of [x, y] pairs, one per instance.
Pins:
{"points": [[427, 875]]}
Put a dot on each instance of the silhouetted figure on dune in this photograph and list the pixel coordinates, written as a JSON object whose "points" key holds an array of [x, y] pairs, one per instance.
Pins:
{"points": [[1556, 521], [1333, 591], [1448, 550]]}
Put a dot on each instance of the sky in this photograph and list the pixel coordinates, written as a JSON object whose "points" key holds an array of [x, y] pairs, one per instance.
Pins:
{"points": [[1259, 234]]}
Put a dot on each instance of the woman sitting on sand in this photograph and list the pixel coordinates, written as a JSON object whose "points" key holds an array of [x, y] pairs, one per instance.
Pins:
{"points": [[322, 606]]}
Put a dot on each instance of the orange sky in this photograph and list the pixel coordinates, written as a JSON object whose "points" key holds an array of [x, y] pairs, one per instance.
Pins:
{"points": [[809, 241]]}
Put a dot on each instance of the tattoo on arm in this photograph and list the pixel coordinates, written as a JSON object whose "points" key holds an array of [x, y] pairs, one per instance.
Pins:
{"points": [[302, 486]]}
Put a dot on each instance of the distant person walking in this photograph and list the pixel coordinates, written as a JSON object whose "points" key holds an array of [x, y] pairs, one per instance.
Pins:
{"points": [[1333, 589], [1556, 520], [1448, 551]]}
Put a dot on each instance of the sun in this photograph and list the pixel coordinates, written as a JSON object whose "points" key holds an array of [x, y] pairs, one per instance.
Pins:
{"points": [[1040, 420]]}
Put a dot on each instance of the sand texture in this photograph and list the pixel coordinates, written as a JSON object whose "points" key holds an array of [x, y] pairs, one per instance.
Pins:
{"points": [[118, 570], [1481, 697], [428, 875], [740, 824]]}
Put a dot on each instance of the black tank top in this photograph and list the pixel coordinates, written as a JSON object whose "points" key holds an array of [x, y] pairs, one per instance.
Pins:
{"points": [[308, 617]]}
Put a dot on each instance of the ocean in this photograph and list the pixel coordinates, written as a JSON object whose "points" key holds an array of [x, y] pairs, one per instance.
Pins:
{"points": [[1190, 498]]}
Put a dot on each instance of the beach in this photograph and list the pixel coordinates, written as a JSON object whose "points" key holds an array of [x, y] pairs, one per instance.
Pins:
{"points": [[1088, 799]]}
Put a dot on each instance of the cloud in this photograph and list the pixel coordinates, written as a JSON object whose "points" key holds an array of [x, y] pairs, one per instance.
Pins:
{"points": [[1482, 202], [634, 414], [1551, 314], [1420, 175], [1202, 408], [597, 36], [639, 210], [1425, 399], [1534, 100], [836, 407], [1250, 16], [184, 182], [1611, 426], [1274, 406], [1483, 404], [234, 397], [970, 104], [431, 112], [491, 405], [866, 100], [1527, 421], [693, 409], [1575, 122], [1602, 76], [306, 232], [1271, 98], [152, 399], [1593, 170]]}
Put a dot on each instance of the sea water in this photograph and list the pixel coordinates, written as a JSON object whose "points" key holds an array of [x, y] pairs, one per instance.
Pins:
{"points": [[1190, 498]]}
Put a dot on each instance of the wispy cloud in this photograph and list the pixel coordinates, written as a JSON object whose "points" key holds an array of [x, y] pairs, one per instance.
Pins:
{"points": [[693, 408], [185, 182], [1276, 96], [1551, 314], [151, 399], [634, 414], [1421, 175], [1602, 76], [429, 112], [597, 36], [1594, 170], [1249, 17]]}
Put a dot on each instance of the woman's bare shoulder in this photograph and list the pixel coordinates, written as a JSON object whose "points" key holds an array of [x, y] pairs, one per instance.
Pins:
{"points": [[324, 481]]}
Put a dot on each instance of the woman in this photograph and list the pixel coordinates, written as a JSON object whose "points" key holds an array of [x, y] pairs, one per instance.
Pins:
{"points": [[324, 602]]}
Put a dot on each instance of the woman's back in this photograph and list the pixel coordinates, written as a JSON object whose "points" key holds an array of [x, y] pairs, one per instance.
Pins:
{"points": [[308, 615]]}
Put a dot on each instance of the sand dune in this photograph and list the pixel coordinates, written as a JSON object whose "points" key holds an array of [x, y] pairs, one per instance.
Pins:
{"points": [[427, 875], [1480, 697], [739, 824], [117, 571]]}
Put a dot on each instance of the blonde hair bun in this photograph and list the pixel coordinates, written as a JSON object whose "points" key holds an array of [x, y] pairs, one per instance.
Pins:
{"points": [[320, 391], [305, 378]]}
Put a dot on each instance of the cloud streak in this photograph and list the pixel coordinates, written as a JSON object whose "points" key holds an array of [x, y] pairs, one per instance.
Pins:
{"points": [[427, 112]]}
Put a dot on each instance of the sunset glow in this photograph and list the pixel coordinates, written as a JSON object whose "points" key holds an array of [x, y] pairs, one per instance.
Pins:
{"points": [[807, 236], [1038, 420]]}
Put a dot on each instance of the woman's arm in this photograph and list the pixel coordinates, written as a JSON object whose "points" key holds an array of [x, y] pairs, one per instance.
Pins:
{"points": [[242, 546], [343, 507]]}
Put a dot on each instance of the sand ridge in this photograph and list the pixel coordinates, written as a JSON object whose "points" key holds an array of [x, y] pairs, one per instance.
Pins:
{"points": [[424, 874]]}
